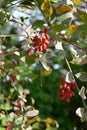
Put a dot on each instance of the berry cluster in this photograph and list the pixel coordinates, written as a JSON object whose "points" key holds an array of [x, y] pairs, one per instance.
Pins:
{"points": [[65, 90], [41, 41], [10, 125]]}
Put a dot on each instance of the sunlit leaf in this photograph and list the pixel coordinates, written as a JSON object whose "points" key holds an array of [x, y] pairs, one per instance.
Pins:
{"points": [[69, 2], [63, 17], [63, 9], [1, 128], [20, 89], [32, 113], [82, 76], [45, 65], [77, 2], [46, 73], [47, 8], [79, 57], [44, 62], [4, 16], [82, 16], [55, 1], [5, 106], [58, 46], [71, 29]]}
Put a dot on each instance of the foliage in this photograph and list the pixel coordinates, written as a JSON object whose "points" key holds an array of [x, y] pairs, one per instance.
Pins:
{"points": [[42, 41]]}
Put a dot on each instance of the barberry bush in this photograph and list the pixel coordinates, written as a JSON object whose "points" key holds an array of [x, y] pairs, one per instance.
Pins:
{"points": [[43, 59]]}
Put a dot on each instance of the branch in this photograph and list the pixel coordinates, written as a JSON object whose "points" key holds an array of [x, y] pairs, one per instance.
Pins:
{"points": [[11, 35], [49, 24]]}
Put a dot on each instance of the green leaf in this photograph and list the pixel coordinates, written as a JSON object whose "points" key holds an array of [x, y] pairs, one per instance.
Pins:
{"points": [[47, 8], [63, 17], [46, 73], [80, 32], [44, 61], [1, 128], [82, 76], [45, 65], [58, 28], [79, 60], [31, 59], [5, 106], [82, 16], [20, 89], [55, 1], [82, 114], [79, 57], [33, 76], [4, 16], [38, 24]]}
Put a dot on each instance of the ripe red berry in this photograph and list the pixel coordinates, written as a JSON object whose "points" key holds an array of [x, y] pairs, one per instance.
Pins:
{"points": [[43, 39], [8, 128], [46, 42], [40, 42], [45, 30], [44, 47], [40, 48], [47, 36], [35, 50], [65, 90], [19, 104], [29, 52]]}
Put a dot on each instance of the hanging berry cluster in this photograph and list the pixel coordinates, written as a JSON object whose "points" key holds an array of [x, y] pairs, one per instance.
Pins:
{"points": [[41, 41], [10, 125], [65, 90]]}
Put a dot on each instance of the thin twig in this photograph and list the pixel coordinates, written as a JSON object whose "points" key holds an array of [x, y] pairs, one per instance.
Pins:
{"points": [[11, 35]]}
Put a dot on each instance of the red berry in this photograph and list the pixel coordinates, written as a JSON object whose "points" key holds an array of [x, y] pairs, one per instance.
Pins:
{"points": [[67, 99], [43, 39], [28, 52], [35, 44], [35, 50], [35, 39], [45, 30], [46, 42], [8, 128], [19, 104], [68, 89], [62, 94], [73, 85], [39, 40], [44, 47], [60, 87], [40, 48], [47, 36], [65, 90]]}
